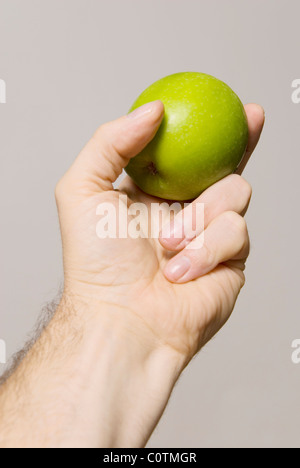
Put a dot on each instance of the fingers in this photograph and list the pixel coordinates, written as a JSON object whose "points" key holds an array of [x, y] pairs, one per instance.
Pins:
{"points": [[256, 120], [232, 193], [226, 238], [109, 151]]}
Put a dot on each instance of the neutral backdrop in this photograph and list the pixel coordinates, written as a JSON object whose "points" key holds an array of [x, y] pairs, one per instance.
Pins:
{"points": [[69, 66]]}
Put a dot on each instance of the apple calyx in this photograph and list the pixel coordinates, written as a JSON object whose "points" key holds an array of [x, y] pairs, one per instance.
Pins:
{"points": [[152, 169]]}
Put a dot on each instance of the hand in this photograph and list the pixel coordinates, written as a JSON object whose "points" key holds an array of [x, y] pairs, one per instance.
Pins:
{"points": [[132, 315], [181, 301]]}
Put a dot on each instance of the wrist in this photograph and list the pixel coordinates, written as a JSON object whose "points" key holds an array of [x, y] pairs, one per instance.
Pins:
{"points": [[129, 372]]}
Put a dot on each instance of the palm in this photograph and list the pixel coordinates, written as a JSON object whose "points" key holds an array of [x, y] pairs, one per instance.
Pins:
{"points": [[128, 273], [131, 270]]}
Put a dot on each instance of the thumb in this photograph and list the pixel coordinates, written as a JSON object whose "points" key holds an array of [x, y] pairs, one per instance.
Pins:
{"points": [[108, 152]]}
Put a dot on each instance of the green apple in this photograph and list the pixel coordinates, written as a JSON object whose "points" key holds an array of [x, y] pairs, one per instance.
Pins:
{"points": [[202, 138]]}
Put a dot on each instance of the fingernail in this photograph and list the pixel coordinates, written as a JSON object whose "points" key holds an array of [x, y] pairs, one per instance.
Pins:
{"points": [[177, 268], [141, 111]]}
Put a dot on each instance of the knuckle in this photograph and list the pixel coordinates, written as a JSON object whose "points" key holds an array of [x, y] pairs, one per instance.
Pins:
{"points": [[104, 136], [100, 133], [105, 145], [236, 222], [243, 186], [240, 230], [246, 188], [101, 141], [244, 245]]}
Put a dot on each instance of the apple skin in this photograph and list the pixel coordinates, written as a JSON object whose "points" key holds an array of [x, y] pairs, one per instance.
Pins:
{"points": [[203, 137]]}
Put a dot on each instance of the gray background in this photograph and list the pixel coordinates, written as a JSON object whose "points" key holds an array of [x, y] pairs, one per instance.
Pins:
{"points": [[71, 65]]}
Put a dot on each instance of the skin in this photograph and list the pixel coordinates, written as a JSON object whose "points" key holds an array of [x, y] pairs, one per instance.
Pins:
{"points": [[102, 371]]}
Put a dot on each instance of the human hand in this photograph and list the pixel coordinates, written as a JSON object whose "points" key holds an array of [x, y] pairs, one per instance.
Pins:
{"points": [[141, 278], [102, 371]]}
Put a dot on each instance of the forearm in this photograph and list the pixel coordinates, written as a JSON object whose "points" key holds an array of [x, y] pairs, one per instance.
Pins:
{"points": [[97, 377]]}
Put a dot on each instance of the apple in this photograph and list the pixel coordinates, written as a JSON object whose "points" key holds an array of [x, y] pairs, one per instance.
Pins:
{"points": [[202, 138]]}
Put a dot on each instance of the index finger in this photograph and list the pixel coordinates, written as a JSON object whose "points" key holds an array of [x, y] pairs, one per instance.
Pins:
{"points": [[256, 119]]}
